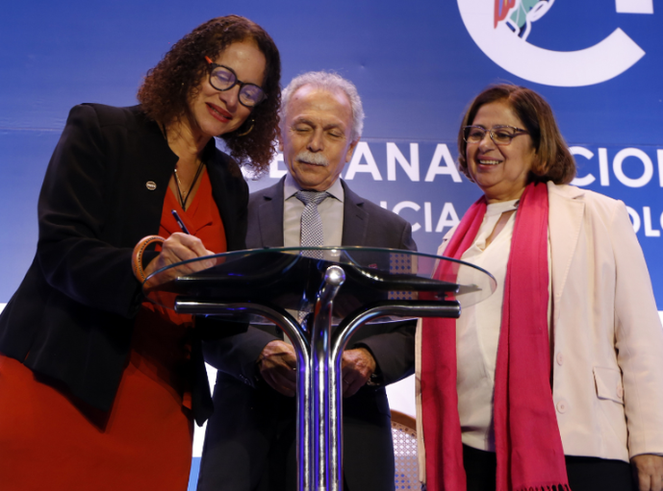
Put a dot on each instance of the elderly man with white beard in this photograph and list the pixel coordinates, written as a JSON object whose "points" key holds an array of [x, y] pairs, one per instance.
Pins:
{"points": [[250, 442]]}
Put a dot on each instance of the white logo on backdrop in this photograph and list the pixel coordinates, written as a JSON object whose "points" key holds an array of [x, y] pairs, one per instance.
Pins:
{"points": [[501, 27]]}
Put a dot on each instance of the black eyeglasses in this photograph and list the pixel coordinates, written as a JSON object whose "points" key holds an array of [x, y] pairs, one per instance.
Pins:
{"points": [[223, 78], [501, 135]]}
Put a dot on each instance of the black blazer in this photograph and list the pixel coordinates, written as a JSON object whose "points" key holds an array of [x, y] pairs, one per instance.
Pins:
{"points": [[240, 433], [71, 318]]}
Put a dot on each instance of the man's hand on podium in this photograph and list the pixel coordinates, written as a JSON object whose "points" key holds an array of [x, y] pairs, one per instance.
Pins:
{"points": [[357, 366], [278, 364]]}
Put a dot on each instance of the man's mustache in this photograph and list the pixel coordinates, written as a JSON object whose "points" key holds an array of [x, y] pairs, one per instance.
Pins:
{"points": [[313, 158]]}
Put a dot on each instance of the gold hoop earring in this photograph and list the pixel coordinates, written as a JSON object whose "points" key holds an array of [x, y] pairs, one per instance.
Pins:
{"points": [[253, 123]]}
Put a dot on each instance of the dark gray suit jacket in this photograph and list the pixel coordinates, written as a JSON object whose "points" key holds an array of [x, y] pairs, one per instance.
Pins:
{"points": [[249, 443]]}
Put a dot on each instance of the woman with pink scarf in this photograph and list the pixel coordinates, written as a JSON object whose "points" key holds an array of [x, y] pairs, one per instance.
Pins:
{"points": [[555, 382]]}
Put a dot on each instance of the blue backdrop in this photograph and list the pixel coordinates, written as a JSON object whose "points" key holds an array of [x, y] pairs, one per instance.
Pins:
{"points": [[416, 64]]}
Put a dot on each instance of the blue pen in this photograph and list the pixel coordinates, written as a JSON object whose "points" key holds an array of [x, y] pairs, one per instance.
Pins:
{"points": [[180, 222]]}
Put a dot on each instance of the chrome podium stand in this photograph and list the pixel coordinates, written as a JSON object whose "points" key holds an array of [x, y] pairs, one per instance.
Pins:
{"points": [[338, 290]]}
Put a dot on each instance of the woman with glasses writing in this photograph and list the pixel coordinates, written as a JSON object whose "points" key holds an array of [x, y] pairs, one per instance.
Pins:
{"points": [[98, 387], [556, 380]]}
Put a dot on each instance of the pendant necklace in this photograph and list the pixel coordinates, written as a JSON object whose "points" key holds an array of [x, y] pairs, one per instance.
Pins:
{"points": [[178, 185]]}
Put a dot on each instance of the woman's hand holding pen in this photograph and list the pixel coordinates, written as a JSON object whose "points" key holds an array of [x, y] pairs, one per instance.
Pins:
{"points": [[177, 248], [180, 246]]}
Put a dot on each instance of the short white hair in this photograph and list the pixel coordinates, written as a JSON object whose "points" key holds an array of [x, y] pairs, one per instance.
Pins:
{"points": [[327, 81]]}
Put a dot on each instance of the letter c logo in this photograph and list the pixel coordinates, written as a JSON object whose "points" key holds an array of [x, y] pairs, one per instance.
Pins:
{"points": [[509, 49]]}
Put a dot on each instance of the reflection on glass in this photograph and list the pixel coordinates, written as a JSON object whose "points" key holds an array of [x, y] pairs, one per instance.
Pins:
{"points": [[288, 278]]}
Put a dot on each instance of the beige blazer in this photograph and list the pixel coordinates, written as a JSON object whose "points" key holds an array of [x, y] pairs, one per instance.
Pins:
{"points": [[607, 352]]}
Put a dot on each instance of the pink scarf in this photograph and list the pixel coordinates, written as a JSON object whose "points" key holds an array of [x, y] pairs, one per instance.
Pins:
{"points": [[528, 445]]}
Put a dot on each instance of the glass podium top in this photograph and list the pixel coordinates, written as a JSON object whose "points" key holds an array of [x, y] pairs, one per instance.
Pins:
{"points": [[290, 278]]}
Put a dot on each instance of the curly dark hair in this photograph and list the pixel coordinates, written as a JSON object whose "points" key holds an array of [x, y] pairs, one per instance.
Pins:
{"points": [[169, 86], [554, 161]]}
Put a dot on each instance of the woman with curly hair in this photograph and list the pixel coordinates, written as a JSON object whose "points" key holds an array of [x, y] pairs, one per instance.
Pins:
{"points": [[99, 388]]}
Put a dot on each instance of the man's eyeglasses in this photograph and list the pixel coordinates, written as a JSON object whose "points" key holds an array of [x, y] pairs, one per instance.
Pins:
{"points": [[501, 135], [223, 78]]}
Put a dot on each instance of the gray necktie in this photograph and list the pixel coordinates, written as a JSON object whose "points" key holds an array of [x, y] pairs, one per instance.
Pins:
{"points": [[311, 234]]}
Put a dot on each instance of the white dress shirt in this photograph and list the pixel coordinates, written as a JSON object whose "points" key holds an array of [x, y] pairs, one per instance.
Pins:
{"points": [[478, 330]]}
